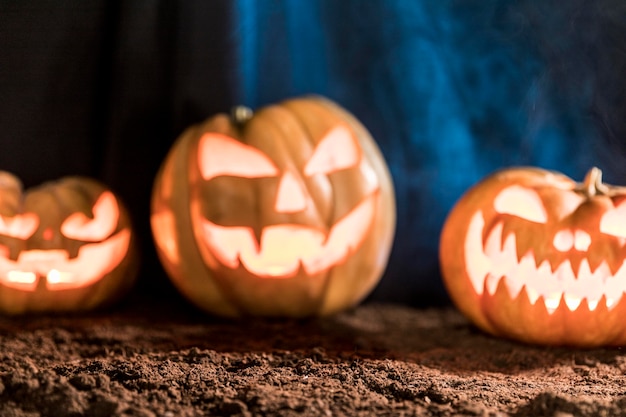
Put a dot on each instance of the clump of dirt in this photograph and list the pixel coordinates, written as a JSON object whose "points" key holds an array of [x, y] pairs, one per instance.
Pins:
{"points": [[383, 360]]}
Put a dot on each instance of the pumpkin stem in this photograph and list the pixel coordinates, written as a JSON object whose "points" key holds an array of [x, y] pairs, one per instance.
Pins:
{"points": [[240, 115], [593, 184], [10, 181], [10, 194]]}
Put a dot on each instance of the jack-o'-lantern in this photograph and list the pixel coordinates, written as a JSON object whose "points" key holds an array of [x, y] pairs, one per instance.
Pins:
{"points": [[65, 246], [286, 212], [531, 255]]}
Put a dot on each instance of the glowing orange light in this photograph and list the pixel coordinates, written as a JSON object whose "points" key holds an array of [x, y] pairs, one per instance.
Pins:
{"points": [[20, 280], [521, 202], [165, 222], [222, 155], [492, 262], [105, 216], [48, 233], [336, 151], [94, 261], [614, 221], [21, 226], [283, 248], [291, 195]]}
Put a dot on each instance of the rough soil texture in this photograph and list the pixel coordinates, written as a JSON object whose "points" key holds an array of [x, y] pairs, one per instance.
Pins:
{"points": [[382, 360]]}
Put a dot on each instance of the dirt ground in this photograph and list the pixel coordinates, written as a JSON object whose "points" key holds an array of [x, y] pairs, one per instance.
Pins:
{"points": [[170, 360]]}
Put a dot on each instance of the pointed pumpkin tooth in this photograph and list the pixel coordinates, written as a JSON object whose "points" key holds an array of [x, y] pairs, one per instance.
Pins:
{"points": [[543, 274], [596, 261], [491, 283], [620, 275], [572, 302], [532, 295], [575, 264], [604, 274], [478, 264], [509, 248], [514, 286], [72, 249], [564, 273], [592, 304], [613, 266], [552, 303], [14, 252], [584, 271], [613, 286], [493, 243], [613, 301], [541, 259]]}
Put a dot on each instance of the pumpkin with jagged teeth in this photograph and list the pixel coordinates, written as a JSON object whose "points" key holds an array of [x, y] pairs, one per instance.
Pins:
{"points": [[532, 255], [286, 211]]}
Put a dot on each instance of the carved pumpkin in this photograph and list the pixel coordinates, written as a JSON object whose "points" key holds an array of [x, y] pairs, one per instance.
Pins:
{"points": [[64, 246], [532, 255], [287, 212]]}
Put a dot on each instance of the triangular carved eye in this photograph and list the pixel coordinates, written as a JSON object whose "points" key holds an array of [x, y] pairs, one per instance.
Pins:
{"points": [[614, 221], [337, 150], [521, 202], [105, 217], [21, 226], [222, 155]]}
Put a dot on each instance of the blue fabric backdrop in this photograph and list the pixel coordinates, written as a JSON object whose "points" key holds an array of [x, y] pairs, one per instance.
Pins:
{"points": [[450, 89]]}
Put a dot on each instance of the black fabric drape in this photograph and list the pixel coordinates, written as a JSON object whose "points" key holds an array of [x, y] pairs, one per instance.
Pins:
{"points": [[102, 88]]}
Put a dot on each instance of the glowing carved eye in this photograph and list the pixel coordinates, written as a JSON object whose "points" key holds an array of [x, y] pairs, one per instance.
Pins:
{"points": [[521, 202], [614, 221], [337, 150], [21, 226], [105, 216], [222, 155]]}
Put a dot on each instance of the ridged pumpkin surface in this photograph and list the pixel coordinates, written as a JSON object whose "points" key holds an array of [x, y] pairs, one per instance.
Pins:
{"points": [[286, 212]]}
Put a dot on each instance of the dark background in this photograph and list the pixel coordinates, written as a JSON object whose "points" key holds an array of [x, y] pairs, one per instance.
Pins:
{"points": [[451, 90]]}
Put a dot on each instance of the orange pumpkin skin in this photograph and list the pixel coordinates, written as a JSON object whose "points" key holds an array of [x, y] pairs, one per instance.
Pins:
{"points": [[287, 212], [65, 246], [531, 255]]}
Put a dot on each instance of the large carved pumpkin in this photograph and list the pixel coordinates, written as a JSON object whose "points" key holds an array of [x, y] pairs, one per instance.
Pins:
{"points": [[65, 246], [287, 212], [532, 255]]}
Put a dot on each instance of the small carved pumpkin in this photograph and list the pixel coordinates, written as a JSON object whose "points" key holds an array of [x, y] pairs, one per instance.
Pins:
{"points": [[532, 255], [288, 212], [64, 246]]}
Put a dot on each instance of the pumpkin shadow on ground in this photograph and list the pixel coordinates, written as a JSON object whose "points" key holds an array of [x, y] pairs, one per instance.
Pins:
{"points": [[437, 338], [443, 339]]}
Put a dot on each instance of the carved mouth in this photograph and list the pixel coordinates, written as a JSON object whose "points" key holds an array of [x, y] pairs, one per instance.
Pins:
{"points": [[497, 260], [94, 261], [284, 249]]}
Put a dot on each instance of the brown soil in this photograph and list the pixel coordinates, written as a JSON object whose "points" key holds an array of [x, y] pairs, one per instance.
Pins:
{"points": [[377, 360]]}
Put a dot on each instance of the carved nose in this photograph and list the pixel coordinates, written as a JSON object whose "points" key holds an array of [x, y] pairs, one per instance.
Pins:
{"points": [[48, 233], [565, 240], [291, 197]]}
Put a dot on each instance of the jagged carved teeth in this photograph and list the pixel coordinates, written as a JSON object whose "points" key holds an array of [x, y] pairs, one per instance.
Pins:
{"points": [[494, 261]]}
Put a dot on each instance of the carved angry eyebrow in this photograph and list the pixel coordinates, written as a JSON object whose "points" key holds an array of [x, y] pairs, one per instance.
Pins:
{"points": [[337, 150], [20, 226], [105, 217], [219, 154], [614, 221], [521, 202]]}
